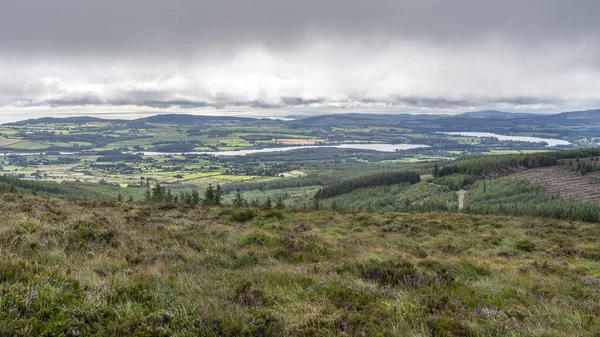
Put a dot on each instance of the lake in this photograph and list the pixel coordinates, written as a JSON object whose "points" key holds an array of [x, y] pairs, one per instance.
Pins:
{"points": [[374, 147], [550, 141]]}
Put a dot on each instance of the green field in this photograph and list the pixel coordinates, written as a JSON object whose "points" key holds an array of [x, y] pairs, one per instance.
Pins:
{"points": [[28, 146]]}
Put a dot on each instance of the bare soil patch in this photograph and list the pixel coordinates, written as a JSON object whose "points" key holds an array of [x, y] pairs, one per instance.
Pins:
{"points": [[564, 183], [298, 141], [7, 142]]}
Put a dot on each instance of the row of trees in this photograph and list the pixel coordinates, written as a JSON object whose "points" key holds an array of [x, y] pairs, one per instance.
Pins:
{"points": [[158, 193], [496, 165], [212, 197], [311, 179], [65, 190], [510, 197], [500, 165], [372, 180], [584, 168], [577, 153], [421, 197]]}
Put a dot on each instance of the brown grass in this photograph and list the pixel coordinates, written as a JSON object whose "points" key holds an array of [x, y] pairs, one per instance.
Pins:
{"points": [[298, 141], [564, 183], [8, 142], [136, 269]]}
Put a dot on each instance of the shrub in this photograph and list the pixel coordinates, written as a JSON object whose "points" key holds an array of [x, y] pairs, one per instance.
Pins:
{"points": [[525, 246], [244, 215], [397, 273], [247, 294], [301, 249], [257, 239], [273, 215], [448, 327]]}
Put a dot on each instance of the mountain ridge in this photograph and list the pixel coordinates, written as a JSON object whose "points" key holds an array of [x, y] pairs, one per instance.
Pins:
{"points": [[177, 118]]}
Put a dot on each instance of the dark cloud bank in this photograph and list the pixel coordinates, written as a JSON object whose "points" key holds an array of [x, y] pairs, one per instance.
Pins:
{"points": [[408, 56]]}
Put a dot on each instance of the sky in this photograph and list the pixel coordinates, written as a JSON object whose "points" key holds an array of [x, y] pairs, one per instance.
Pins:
{"points": [[279, 57]]}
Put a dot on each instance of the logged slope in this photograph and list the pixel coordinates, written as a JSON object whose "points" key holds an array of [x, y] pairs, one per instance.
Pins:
{"points": [[76, 268], [566, 184]]}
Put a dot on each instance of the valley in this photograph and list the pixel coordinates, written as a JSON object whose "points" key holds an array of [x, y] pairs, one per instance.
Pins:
{"points": [[186, 151], [183, 225]]}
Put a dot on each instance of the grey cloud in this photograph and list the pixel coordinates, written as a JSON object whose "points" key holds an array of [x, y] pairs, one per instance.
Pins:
{"points": [[313, 54], [297, 102], [294, 101], [138, 26], [170, 104], [78, 101]]}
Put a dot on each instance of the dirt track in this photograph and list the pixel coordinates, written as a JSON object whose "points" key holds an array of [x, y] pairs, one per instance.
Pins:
{"points": [[567, 184], [461, 199]]}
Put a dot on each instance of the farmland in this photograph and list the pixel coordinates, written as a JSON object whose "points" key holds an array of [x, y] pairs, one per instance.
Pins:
{"points": [[8, 142], [314, 241], [85, 139], [128, 157]]}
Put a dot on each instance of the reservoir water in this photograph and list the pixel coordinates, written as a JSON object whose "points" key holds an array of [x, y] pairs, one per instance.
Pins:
{"points": [[550, 141], [375, 147]]}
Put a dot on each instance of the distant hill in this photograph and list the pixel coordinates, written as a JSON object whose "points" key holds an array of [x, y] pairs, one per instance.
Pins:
{"points": [[193, 119], [183, 119], [416, 117], [76, 120], [345, 119], [391, 117], [341, 120], [573, 118], [496, 114], [581, 114], [136, 123]]}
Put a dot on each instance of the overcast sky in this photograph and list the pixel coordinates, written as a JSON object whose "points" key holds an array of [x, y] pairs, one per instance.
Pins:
{"points": [[272, 57]]}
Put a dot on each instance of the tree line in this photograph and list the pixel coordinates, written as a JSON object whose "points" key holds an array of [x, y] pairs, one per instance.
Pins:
{"points": [[496, 165], [212, 196], [373, 180], [160, 194], [520, 198], [66, 189], [582, 167]]}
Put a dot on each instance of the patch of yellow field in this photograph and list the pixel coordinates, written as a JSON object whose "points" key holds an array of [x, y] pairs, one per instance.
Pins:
{"points": [[293, 174], [7, 142], [235, 178], [298, 141]]}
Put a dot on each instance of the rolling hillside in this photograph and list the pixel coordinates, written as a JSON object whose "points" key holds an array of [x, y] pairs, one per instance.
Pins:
{"points": [[108, 268]]}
